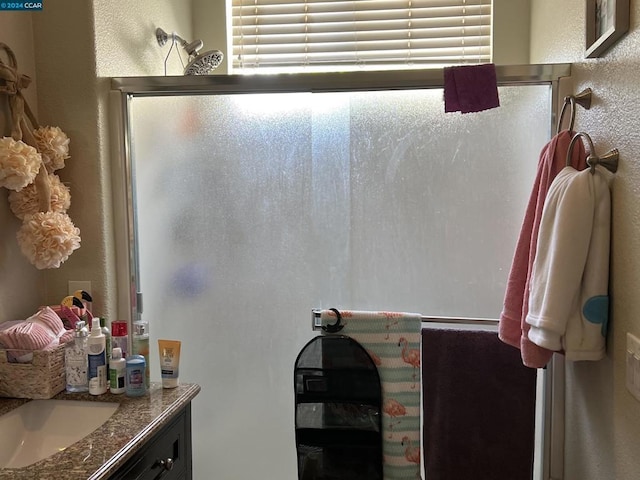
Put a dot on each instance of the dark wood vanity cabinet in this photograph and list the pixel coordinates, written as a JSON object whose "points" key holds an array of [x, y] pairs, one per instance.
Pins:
{"points": [[166, 456]]}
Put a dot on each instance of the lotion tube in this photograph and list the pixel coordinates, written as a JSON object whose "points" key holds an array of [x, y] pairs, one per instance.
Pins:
{"points": [[169, 362]]}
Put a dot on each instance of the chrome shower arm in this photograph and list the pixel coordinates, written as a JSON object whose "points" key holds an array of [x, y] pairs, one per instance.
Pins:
{"points": [[199, 64], [191, 48]]}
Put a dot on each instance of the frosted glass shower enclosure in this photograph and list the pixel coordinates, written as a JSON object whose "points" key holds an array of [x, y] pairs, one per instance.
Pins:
{"points": [[245, 202]]}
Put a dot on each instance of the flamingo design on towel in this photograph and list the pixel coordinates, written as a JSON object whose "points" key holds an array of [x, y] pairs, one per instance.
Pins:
{"points": [[410, 356], [393, 409], [392, 319], [411, 453]]}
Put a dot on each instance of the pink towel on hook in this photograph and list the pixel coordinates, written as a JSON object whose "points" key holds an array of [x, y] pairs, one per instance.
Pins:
{"points": [[513, 328], [470, 88]]}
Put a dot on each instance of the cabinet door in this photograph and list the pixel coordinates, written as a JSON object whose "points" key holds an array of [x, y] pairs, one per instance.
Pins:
{"points": [[167, 456]]}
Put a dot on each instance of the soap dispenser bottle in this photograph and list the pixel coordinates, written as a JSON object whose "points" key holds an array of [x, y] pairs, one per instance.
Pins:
{"points": [[97, 359], [76, 361]]}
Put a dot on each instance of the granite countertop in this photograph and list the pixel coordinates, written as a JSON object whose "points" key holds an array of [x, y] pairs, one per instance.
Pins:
{"points": [[101, 453]]}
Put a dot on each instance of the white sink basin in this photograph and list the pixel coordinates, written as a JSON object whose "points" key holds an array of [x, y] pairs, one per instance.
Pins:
{"points": [[39, 428]]}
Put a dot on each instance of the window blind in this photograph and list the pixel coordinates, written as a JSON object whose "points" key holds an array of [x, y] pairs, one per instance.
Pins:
{"points": [[325, 35]]}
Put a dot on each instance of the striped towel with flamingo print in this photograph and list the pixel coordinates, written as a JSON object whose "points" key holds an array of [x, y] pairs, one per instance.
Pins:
{"points": [[392, 339]]}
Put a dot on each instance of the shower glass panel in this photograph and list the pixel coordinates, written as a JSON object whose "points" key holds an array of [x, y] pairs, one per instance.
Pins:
{"points": [[253, 209]]}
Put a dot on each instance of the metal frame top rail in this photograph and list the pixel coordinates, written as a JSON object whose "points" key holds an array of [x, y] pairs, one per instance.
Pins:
{"points": [[326, 82], [316, 323]]}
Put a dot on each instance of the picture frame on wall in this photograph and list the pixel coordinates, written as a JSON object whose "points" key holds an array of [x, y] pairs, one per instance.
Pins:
{"points": [[607, 21]]}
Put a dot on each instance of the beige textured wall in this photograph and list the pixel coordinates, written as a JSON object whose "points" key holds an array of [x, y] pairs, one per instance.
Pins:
{"points": [[73, 73], [125, 36], [511, 31], [603, 419], [210, 25], [15, 270], [65, 59]]}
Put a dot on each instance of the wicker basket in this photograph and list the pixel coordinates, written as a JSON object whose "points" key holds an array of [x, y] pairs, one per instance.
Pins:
{"points": [[44, 377]]}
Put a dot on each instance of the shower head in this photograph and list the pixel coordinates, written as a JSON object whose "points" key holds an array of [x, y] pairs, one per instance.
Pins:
{"points": [[204, 63], [199, 64]]}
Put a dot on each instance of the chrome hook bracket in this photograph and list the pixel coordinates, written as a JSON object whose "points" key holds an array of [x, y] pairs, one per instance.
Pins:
{"points": [[583, 99], [609, 160]]}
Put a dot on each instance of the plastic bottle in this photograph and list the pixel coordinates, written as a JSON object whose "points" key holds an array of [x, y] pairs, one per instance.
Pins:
{"points": [[119, 336], [134, 380], [97, 359], [76, 360], [117, 371], [140, 345], [107, 339]]}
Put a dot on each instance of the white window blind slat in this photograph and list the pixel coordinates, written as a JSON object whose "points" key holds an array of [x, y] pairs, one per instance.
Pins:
{"points": [[276, 35], [362, 45], [435, 56], [283, 6], [268, 16], [354, 25], [371, 35]]}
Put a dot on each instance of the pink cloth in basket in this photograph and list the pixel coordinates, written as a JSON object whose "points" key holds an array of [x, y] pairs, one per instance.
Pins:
{"points": [[37, 332], [26, 336], [49, 319]]}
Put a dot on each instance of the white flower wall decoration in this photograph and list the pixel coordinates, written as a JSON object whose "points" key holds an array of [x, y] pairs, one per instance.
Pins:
{"points": [[47, 236]]}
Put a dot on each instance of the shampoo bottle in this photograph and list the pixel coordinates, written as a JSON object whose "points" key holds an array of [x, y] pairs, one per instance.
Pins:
{"points": [[75, 360], [97, 359]]}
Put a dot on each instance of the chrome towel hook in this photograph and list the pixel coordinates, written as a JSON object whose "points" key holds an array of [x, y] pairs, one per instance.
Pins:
{"points": [[609, 160], [583, 99]]}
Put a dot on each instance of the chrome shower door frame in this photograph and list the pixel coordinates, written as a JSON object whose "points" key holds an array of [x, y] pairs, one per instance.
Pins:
{"points": [[124, 89]]}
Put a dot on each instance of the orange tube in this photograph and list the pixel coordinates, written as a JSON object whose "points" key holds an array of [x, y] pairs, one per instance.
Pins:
{"points": [[169, 362]]}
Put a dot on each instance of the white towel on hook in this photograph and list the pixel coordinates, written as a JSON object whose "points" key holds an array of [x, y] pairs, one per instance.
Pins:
{"points": [[568, 301]]}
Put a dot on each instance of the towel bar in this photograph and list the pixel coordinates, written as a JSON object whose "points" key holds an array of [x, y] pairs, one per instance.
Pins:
{"points": [[316, 324]]}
